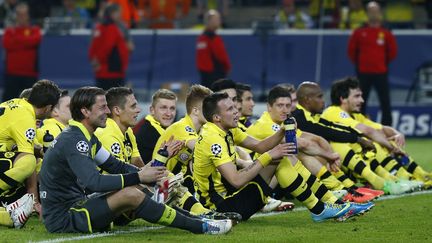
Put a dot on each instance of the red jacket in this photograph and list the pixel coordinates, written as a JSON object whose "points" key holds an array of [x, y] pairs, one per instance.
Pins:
{"points": [[372, 49], [109, 48], [22, 45], [211, 55]]}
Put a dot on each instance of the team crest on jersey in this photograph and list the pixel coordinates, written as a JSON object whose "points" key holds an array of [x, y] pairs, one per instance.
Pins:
{"points": [[82, 147], [30, 134], [343, 114], [216, 149], [115, 148], [184, 156], [275, 127], [189, 129]]}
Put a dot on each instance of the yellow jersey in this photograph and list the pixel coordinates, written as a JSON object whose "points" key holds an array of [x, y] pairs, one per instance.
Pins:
{"points": [[123, 146], [52, 126], [337, 115], [214, 147], [182, 130], [265, 127], [17, 126]]}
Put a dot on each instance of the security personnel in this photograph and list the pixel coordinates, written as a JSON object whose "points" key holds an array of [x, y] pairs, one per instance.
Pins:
{"points": [[212, 59], [21, 43]]}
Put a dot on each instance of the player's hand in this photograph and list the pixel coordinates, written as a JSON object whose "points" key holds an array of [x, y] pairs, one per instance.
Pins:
{"points": [[173, 146], [366, 144], [398, 152], [334, 162], [282, 150], [399, 139], [150, 174]]}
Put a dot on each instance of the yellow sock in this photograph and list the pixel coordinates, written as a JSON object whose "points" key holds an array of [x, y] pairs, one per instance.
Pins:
{"points": [[354, 162], [329, 180], [380, 171], [189, 203], [346, 181], [290, 180], [403, 174], [168, 216], [5, 219], [21, 170], [320, 190]]}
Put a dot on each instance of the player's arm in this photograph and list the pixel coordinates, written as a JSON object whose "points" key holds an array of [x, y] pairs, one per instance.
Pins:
{"points": [[137, 161], [239, 178], [263, 145], [394, 135], [375, 135], [314, 145]]}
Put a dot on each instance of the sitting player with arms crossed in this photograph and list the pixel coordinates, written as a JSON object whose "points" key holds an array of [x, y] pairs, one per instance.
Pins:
{"points": [[346, 141], [17, 152], [308, 165], [69, 173], [345, 109], [162, 115], [117, 137], [222, 186]]}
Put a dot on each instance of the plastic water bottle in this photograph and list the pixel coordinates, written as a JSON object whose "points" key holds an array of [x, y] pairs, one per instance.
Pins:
{"points": [[47, 140], [161, 157], [290, 132], [403, 160]]}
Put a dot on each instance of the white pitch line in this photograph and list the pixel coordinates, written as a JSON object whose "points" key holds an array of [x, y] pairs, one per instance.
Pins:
{"points": [[99, 235], [149, 228]]}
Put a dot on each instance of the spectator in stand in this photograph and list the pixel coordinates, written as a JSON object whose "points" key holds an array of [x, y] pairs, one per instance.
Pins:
{"points": [[353, 16], [371, 48], [163, 14], [90, 5], [399, 14], [21, 43], [7, 13], [80, 18], [329, 10], [221, 6], [129, 12], [109, 50], [212, 59], [291, 17]]}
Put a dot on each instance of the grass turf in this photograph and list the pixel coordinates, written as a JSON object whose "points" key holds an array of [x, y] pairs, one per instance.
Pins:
{"points": [[401, 219]]}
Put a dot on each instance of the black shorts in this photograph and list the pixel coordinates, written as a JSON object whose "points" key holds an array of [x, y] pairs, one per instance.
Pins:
{"points": [[17, 189], [246, 201], [91, 215]]}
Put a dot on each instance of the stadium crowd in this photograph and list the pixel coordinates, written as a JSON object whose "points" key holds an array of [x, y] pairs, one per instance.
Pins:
{"points": [[155, 14]]}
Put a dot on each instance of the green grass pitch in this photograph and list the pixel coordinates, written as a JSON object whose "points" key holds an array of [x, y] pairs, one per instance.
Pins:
{"points": [[404, 219]]}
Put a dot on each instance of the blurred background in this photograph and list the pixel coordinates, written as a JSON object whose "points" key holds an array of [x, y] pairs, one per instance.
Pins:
{"points": [[268, 42]]}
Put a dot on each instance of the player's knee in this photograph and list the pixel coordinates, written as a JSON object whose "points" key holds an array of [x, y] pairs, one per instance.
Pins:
{"points": [[133, 196], [26, 163]]}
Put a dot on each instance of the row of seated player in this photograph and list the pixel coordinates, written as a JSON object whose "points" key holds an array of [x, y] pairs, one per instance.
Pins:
{"points": [[202, 172]]}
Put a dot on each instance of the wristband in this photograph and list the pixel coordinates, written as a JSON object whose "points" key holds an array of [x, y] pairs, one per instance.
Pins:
{"points": [[265, 159]]}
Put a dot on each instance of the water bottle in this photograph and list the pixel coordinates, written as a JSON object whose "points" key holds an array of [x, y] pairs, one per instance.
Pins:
{"points": [[161, 157], [47, 140], [290, 132]]}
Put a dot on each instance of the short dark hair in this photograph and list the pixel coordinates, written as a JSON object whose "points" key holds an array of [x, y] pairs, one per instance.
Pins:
{"points": [[44, 92], [210, 105], [84, 97], [196, 95], [116, 96], [341, 88], [241, 88], [276, 92], [222, 84], [25, 93]]}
